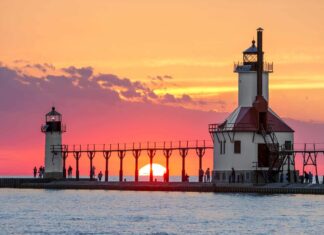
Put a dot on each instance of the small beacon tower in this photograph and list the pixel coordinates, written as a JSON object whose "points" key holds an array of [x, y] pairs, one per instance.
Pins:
{"points": [[53, 130]]}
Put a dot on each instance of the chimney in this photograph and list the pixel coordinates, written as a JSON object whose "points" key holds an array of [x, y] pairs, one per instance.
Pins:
{"points": [[260, 61], [260, 104]]}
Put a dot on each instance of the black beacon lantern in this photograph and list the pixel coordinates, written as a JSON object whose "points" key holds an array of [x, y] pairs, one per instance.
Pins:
{"points": [[53, 120]]}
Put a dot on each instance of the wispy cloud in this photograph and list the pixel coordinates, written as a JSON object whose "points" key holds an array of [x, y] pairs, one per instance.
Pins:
{"points": [[73, 82]]}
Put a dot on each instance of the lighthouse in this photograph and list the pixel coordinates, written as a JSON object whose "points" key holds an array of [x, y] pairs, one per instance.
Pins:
{"points": [[53, 129], [249, 144]]}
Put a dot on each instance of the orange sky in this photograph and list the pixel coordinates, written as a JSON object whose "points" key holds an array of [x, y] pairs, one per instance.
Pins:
{"points": [[194, 42]]}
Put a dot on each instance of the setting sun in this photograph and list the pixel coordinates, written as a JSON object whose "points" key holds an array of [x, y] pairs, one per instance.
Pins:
{"points": [[158, 170]]}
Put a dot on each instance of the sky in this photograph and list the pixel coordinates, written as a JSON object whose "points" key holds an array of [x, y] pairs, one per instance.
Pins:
{"points": [[124, 71]]}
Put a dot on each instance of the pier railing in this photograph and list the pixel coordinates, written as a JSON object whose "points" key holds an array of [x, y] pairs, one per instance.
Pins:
{"points": [[241, 67], [130, 146], [307, 152], [150, 148]]}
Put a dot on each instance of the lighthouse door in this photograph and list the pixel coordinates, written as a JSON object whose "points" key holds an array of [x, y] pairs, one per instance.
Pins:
{"points": [[263, 155], [263, 120]]}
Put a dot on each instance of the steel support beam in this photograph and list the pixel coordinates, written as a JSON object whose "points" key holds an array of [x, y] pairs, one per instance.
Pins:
{"points": [[106, 155], [77, 156], [136, 154]]}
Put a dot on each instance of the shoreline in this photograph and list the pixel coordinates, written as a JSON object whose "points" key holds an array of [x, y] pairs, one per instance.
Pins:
{"points": [[274, 188]]}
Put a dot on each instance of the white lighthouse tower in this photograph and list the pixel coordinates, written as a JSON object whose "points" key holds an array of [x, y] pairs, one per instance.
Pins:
{"points": [[53, 130], [248, 144]]}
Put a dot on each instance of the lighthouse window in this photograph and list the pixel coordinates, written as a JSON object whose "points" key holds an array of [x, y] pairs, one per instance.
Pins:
{"points": [[222, 147], [288, 145], [237, 146]]}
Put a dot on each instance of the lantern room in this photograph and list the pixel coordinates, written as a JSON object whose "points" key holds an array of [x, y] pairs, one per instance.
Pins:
{"points": [[250, 55], [53, 120], [53, 116]]}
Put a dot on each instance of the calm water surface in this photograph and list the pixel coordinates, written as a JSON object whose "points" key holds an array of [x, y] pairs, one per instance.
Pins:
{"points": [[30, 211]]}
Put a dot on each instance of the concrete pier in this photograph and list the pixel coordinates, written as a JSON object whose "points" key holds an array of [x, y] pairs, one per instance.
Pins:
{"points": [[275, 188]]}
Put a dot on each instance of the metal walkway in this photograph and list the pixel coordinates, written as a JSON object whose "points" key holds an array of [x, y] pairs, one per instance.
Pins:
{"points": [[151, 148], [309, 154]]}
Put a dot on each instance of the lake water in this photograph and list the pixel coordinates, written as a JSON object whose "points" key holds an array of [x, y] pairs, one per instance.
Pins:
{"points": [[31, 211]]}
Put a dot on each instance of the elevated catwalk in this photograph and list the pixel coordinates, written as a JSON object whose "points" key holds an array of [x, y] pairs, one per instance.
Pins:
{"points": [[199, 147], [308, 153]]}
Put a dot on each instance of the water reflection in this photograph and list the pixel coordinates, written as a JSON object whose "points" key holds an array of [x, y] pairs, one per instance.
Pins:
{"points": [[26, 211]]}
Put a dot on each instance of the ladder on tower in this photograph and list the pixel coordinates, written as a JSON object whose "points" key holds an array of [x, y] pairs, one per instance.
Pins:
{"points": [[276, 158]]}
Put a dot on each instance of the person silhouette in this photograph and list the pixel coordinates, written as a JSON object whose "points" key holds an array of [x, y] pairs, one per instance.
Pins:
{"points": [[70, 172], [233, 175], [100, 176], [208, 175], [306, 177], [201, 175], [35, 171]]}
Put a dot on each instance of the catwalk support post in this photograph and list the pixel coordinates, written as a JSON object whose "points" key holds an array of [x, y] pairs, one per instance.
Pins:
{"points": [[167, 153], [200, 153], [64, 156], [136, 154], [77, 156], [106, 154], [121, 155], [151, 153], [310, 159], [183, 153], [91, 155]]}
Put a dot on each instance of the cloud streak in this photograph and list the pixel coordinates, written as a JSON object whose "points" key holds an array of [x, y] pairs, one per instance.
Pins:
{"points": [[81, 83]]}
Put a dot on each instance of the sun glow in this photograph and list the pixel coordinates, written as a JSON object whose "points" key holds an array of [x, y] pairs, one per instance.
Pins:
{"points": [[158, 170]]}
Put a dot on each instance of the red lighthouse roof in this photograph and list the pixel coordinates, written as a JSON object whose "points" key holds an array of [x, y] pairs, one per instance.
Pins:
{"points": [[245, 119]]}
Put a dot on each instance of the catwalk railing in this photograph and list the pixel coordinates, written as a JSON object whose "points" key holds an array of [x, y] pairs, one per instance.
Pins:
{"points": [[151, 148], [309, 154], [244, 67]]}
